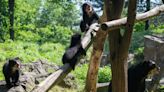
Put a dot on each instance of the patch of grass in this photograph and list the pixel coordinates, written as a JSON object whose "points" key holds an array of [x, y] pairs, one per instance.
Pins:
{"points": [[80, 73], [1, 74], [30, 51], [61, 89]]}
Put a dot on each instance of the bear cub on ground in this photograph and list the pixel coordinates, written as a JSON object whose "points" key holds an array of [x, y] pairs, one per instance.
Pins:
{"points": [[11, 72], [137, 75]]}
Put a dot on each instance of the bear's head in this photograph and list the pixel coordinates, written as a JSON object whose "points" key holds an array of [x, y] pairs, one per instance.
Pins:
{"points": [[75, 39], [150, 67]]}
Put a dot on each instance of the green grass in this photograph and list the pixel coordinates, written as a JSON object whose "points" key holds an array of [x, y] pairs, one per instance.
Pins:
{"points": [[80, 73], [30, 51], [1, 74]]}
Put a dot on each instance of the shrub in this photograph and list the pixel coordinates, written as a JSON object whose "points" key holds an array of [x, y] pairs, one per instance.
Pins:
{"points": [[104, 74]]}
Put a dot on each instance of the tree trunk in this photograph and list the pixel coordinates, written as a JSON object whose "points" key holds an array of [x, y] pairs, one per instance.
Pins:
{"points": [[11, 17], [118, 64], [98, 44], [119, 45], [147, 9]]}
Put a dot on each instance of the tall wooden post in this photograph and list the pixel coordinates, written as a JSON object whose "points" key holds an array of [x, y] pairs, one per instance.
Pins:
{"points": [[118, 64], [98, 44], [119, 45]]}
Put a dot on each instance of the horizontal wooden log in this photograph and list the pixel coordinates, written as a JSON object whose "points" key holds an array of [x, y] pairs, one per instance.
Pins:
{"points": [[60, 74], [54, 78], [139, 17], [88, 37]]}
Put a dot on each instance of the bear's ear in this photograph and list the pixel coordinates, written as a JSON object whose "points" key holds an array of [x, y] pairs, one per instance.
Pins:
{"points": [[11, 62], [151, 65], [147, 62]]}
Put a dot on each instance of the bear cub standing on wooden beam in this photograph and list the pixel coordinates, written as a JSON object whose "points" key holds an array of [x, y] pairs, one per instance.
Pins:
{"points": [[74, 51], [11, 72]]}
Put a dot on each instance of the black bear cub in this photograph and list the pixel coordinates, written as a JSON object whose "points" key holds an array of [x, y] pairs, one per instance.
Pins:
{"points": [[137, 75], [11, 72], [89, 17], [74, 51]]}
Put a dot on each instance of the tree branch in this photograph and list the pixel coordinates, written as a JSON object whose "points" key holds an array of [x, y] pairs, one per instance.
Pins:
{"points": [[139, 17], [129, 26]]}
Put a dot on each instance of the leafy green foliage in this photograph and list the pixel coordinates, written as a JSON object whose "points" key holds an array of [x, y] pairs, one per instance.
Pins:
{"points": [[139, 32], [28, 36], [44, 21], [61, 34], [4, 21], [1, 74], [161, 88], [158, 30], [138, 37], [104, 74], [81, 73], [58, 13], [25, 12]]}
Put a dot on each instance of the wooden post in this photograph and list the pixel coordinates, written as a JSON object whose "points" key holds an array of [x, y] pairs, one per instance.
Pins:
{"points": [[119, 46], [118, 65], [98, 43]]}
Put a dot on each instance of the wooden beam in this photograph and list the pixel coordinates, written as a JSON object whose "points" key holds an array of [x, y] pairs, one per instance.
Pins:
{"points": [[60, 74], [53, 79], [139, 17]]}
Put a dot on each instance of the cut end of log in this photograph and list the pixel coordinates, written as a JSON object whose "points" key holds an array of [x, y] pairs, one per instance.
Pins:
{"points": [[104, 27]]}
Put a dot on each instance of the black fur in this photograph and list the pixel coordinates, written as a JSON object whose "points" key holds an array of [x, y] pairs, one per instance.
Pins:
{"points": [[87, 21], [11, 75], [137, 75], [74, 51]]}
